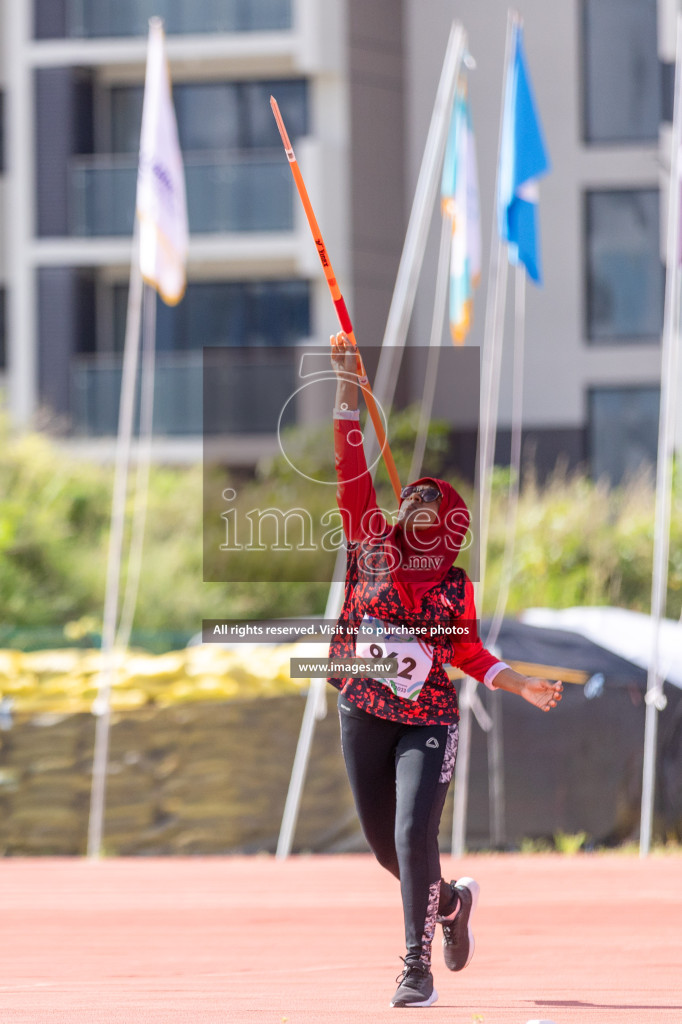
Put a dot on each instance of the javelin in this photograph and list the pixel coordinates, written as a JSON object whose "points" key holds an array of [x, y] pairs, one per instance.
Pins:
{"points": [[337, 299]]}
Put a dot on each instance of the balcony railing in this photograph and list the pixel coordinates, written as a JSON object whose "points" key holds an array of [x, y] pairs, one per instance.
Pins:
{"points": [[96, 390], [105, 18], [251, 395], [228, 192]]}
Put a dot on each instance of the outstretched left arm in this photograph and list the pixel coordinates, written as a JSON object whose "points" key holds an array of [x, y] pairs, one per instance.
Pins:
{"points": [[476, 661], [540, 692]]}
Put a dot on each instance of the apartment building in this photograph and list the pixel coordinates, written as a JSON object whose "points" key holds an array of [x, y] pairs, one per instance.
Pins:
{"points": [[356, 84], [603, 76], [72, 79]]}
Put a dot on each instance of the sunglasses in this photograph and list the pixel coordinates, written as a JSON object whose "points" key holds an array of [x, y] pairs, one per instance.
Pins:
{"points": [[426, 494]]}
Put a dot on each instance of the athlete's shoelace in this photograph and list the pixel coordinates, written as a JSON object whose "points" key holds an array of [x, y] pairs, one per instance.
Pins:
{"points": [[450, 927], [414, 965]]}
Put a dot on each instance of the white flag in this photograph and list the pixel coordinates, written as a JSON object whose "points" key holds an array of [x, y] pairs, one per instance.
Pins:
{"points": [[161, 197]]}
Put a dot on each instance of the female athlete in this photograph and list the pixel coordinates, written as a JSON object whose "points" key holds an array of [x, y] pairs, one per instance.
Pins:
{"points": [[405, 598]]}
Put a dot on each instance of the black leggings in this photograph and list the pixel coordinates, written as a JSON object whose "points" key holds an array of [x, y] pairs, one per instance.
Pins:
{"points": [[399, 775]]}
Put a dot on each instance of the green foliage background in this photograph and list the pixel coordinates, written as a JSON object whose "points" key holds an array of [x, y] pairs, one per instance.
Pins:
{"points": [[577, 543]]}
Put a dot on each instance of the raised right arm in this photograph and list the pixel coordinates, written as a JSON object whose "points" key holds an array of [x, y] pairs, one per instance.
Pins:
{"points": [[355, 491]]}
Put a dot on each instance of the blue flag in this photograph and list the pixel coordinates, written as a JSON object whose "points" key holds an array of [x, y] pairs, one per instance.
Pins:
{"points": [[523, 158]]}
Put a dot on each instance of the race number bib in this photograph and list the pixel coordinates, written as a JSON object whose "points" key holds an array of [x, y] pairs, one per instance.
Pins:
{"points": [[385, 640]]}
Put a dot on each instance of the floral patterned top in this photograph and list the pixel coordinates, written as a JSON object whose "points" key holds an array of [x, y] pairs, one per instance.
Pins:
{"points": [[371, 591]]}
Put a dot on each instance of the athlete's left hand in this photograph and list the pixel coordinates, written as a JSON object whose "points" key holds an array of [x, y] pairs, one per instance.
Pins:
{"points": [[541, 692]]}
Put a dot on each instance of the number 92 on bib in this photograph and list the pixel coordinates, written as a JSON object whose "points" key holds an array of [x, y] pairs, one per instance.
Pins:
{"points": [[382, 640]]}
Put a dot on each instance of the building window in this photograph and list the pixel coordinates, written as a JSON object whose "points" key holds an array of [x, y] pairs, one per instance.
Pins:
{"points": [[621, 71], [240, 313], [56, 19], [237, 178], [625, 277], [622, 431], [216, 116], [249, 314]]}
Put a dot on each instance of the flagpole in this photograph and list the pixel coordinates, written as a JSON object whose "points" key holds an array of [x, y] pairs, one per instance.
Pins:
{"points": [[470, 699], [655, 697], [161, 212], [493, 332], [315, 709], [435, 342], [491, 358], [395, 335], [416, 236], [515, 453], [461, 798], [144, 456], [498, 831], [102, 705]]}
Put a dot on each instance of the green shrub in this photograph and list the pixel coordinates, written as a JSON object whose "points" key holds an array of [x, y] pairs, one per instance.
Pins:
{"points": [[577, 542], [582, 543]]}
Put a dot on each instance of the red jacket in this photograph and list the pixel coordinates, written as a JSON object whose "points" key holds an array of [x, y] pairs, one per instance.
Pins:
{"points": [[373, 593]]}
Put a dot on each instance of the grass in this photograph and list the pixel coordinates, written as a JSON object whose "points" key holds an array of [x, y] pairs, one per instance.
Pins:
{"points": [[566, 843], [569, 844], [577, 542]]}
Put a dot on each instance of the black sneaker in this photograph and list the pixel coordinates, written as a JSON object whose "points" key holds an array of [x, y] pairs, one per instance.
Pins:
{"points": [[415, 986], [458, 939]]}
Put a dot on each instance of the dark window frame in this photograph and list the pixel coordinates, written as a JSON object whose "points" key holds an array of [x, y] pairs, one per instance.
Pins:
{"points": [[590, 395], [243, 290], [615, 339], [52, 21], [607, 141], [241, 87]]}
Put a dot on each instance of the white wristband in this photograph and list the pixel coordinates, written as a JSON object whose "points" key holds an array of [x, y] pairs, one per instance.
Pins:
{"points": [[492, 673], [346, 414]]}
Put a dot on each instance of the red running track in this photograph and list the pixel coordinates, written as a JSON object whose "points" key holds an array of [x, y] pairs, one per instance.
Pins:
{"points": [[593, 938]]}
